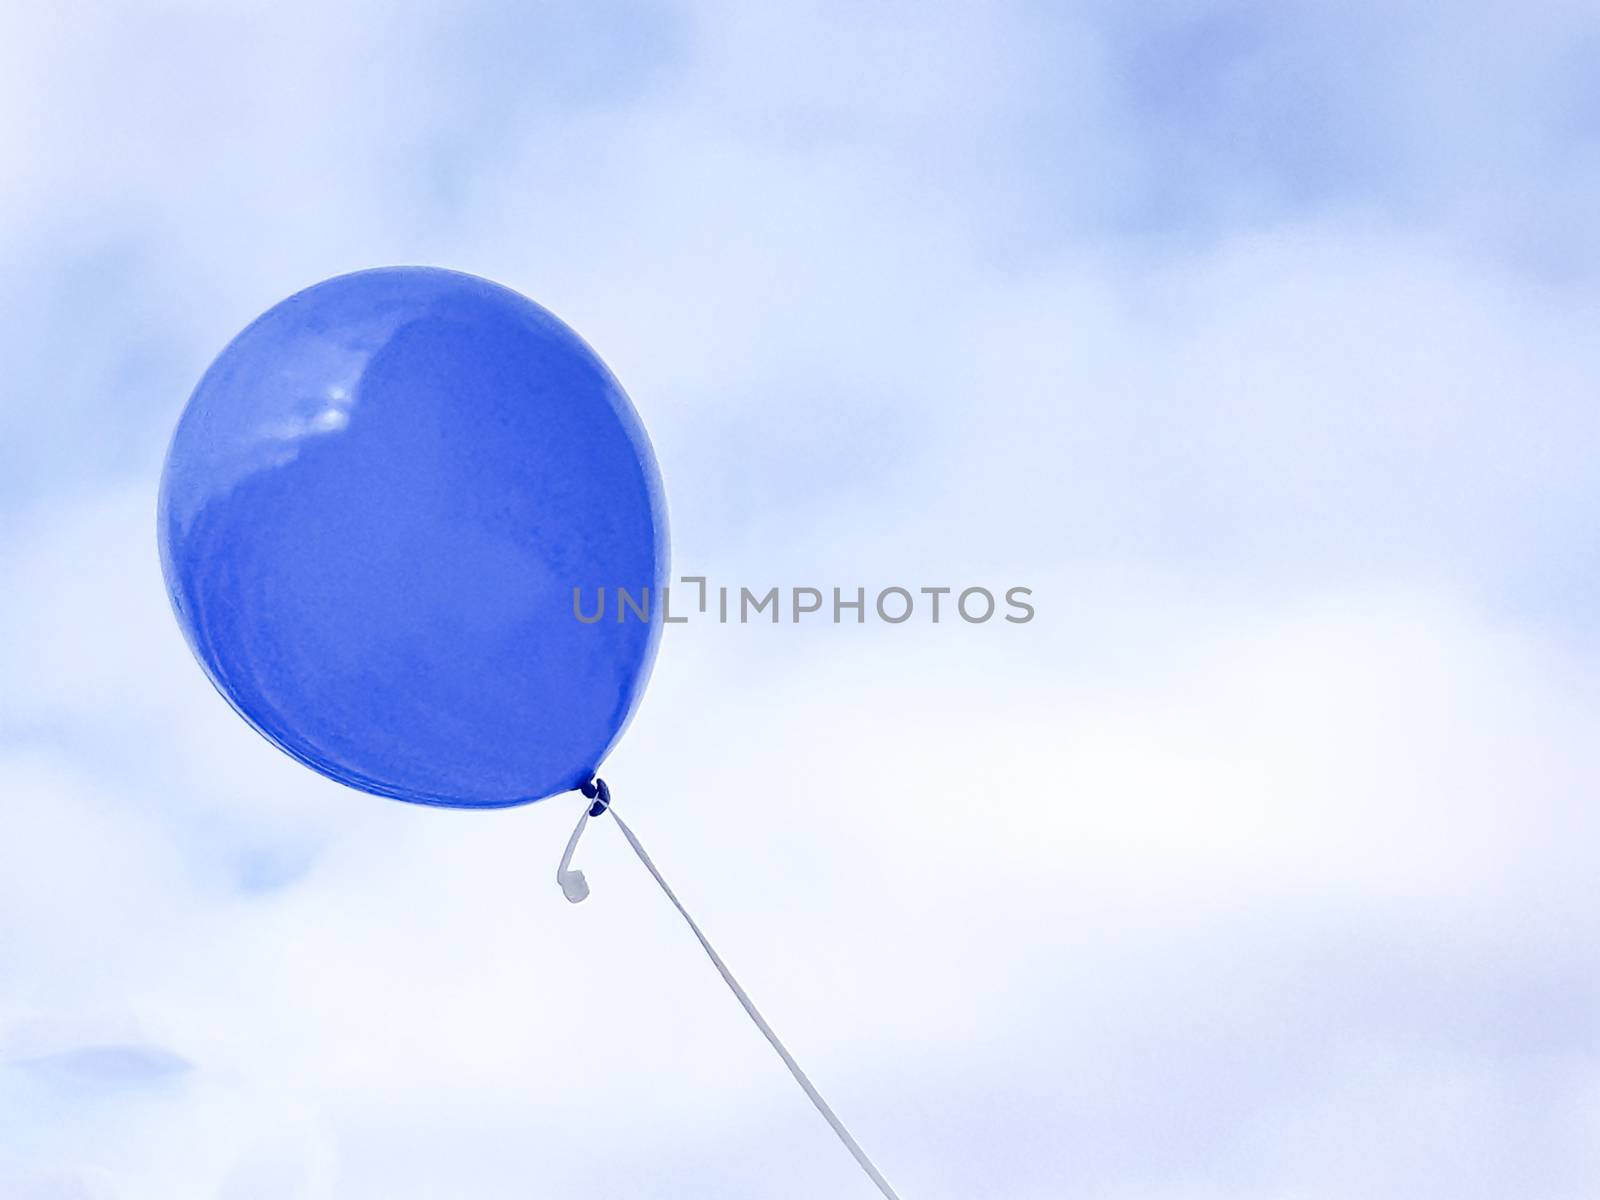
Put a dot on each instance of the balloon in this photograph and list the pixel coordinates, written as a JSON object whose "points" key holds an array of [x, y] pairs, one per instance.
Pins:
{"points": [[374, 513]]}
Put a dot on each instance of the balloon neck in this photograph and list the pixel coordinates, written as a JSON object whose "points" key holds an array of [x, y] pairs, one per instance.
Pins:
{"points": [[596, 790]]}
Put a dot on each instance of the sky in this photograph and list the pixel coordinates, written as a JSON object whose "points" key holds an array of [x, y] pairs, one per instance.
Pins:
{"points": [[1256, 339]]}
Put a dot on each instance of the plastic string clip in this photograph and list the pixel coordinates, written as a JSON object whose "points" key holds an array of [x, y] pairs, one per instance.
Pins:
{"points": [[573, 885]]}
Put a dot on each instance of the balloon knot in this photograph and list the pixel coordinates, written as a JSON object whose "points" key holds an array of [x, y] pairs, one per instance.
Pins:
{"points": [[596, 788]]}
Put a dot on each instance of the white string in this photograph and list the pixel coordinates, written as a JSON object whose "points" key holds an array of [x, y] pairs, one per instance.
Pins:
{"points": [[576, 889]]}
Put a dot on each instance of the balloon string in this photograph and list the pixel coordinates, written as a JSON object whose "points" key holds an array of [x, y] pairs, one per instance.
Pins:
{"points": [[576, 889]]}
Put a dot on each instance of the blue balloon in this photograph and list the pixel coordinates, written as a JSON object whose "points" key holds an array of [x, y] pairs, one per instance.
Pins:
{"points": [[374, 513]]}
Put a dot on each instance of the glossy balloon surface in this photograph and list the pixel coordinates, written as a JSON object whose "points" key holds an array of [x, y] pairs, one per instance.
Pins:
{"points": [[374, 514]]}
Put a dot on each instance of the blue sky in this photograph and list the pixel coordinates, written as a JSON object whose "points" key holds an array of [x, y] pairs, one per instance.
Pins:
{"points": [[1257, 339]]}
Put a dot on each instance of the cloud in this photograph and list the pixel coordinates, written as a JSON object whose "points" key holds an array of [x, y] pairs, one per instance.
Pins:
{"points": [[1254, 867]]}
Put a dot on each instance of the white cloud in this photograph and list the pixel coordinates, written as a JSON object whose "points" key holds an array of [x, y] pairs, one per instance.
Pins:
{"points": [[1255, 867]]}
